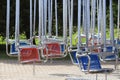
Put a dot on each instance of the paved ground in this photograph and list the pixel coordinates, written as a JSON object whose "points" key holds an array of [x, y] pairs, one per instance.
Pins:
{"points": [[58, 70]]}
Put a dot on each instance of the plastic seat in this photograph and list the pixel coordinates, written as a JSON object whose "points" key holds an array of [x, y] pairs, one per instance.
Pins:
{"points": [[62, 47], [29, 54], [94, 66], [13, 50], [53, 50], [109, 54], [73, 57]]}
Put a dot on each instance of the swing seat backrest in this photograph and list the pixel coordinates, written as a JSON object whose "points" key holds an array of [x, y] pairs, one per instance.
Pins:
{"points": [[109, 49], [13, 48], [62, 48], [52, 50], [29, 54], [73, 57], [94, 63], [109, 54], [110, 57], [118, 42]]}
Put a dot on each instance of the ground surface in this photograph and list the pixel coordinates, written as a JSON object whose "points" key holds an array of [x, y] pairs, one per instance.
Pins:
{"points": [[58, 70]]}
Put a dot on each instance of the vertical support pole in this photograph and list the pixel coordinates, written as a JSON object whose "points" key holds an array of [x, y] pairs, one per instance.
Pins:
{"points": [[49, 18], [40, 20], [42, 11], [7, 26], [17, 27], [96, 76], [34, 67], [56, 18], [31, 27], [45, 16], [118, 24], [34, 18], [70, 11], [93, 20], [8, 20], [65, 20], [79, 25], [87, 13], [111, 24], [99, 19], [104, 24], [71, 22]]}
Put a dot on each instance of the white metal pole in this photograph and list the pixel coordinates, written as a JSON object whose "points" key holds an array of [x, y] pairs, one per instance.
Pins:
{"points": [[17, 23], [79, 25], [104, 24], [56, 18], [111, 24], [65, 20], [40, 20], [8, 20], [31, 29], [118, 24], [34, 18]]}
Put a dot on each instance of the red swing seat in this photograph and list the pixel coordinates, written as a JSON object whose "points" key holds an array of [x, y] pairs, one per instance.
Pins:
{"points": [[29, 54], [52, 50]]}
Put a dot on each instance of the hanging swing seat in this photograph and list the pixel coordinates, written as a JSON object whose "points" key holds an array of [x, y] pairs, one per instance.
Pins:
{"points": [[73, 56], [91, 63], [13, 50], [54, 50], [54, 39], [117, 41], [29, 54], [73, 52], [110, 54]]}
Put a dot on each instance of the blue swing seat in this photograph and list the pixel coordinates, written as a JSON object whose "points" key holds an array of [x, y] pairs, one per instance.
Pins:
{"points": [[73, 57], [112, 56], [118, 42], [62, 47], [13, 50], [94, 66]]}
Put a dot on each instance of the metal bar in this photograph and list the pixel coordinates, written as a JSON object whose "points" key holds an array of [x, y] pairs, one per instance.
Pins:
{"points": [[31, 27], [49, 18], [8, 20], [65, 20], [104, 24], [17, 23], [87, 13], [79, 25], [34, 18], [45, 16], [93, 19], [111, 24], [118, 24], [56, 18], [40, 20]]}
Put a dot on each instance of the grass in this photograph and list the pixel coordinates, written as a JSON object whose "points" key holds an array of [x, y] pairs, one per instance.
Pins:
{"points": [[4, 56]]}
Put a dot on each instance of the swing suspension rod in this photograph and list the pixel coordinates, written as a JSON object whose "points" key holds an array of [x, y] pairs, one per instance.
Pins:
{"points": [[70, 11], [17, 25], [31, 27], [34, 23], [118, 24]]}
